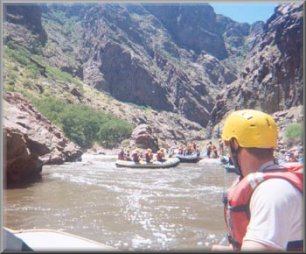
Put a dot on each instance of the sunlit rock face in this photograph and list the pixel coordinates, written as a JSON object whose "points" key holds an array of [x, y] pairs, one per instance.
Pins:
{"points": [[271, 78]]}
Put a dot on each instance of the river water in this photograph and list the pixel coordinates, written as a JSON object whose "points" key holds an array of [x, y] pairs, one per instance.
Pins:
{"points": [[177, 208]]}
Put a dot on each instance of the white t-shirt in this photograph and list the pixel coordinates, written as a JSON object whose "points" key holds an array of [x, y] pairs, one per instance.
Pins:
{"points": [[276, 208]]}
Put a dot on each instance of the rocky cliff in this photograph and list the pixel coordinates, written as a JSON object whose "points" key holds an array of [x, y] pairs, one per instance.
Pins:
{"points": [[192, 26], [181, 58], [271, 79], [24, 27], [138, 56], [136, 60]]}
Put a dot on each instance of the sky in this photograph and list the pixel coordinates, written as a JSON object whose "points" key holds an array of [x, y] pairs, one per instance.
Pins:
{"points": [[248, 12]]}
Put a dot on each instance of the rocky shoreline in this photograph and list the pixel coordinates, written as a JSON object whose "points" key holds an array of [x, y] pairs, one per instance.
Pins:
{"points": [[31, 141]]}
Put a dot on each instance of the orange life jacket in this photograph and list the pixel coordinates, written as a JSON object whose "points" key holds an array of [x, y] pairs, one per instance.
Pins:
{"points": [[135, 157], [160, 156], [236, 201], [148, 157]]}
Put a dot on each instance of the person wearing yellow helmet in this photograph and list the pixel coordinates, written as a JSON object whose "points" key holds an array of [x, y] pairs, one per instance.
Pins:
{"points": [[135, 155], [149, 155], [263, 207], [160, 155], [121, 154], [251, 129]]}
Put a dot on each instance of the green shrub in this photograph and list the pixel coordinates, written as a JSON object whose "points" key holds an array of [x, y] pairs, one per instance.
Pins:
{"points": [[20, 55], [83, 125], [294, 132], [33, 71], [13, 76], [28, 84], [112, 131], [9, 87]]}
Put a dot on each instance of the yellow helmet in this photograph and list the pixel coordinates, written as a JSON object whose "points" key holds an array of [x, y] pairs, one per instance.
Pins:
{"points": [[251, 128]]}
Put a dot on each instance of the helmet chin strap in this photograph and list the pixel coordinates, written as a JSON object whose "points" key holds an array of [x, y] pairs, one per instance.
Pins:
{"points": [[234, 153]]}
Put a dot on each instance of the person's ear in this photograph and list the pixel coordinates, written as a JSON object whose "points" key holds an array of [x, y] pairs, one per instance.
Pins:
{"points": [[235, 144]]}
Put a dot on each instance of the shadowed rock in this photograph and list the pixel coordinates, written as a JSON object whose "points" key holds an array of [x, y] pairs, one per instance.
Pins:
{"points": [[31, 141]]}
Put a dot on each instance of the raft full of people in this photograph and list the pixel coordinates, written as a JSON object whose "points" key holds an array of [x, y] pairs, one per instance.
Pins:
{"points": [[162, 159], [146, 160], [189, 153]]}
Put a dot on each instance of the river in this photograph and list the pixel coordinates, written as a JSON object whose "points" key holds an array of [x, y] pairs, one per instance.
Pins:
{"points": [[176, 208]]}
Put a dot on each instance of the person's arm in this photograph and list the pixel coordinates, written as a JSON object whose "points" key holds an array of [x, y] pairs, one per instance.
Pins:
{"points": [[246, 246], [256, 246], [223, 248]]}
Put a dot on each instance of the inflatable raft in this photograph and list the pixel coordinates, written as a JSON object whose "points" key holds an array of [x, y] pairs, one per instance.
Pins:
{"points": [[230, 169], [192, 158], [210, 161], [48, 240], [171, 162]]}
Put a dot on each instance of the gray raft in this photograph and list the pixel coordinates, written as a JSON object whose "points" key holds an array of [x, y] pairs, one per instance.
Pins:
{"points": [[171, 162]]}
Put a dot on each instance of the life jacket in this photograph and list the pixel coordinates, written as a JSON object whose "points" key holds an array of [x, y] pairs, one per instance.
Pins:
{"points": [[160, 156], [148, 157], [135, 157], [209, 148], [121, 155], [237, 199]]}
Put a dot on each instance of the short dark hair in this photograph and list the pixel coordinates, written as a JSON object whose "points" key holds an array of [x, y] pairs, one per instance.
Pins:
{"points": [[260, 152]]}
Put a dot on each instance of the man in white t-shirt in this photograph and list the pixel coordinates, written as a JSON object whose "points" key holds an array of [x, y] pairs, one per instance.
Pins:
{"points": [[264, 207]]}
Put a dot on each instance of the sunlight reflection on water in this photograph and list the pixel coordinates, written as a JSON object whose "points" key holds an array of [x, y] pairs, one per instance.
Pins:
{"points": [[132, 209]]}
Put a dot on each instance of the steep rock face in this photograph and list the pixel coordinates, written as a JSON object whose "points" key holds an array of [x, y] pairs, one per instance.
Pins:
{"points": [[162, 61], [192, 26], [137, 53], [139, 69], [123, 73], [233, 33], [272, 77], [24, 22], [147, 67], [212, 67], [127, 52], [256, 33], [63, 45], [289, 72], [31, 140]]}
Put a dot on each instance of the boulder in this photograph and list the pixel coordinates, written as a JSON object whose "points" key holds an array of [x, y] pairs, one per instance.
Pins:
{"points": [[142, 137], [22, 161], [31, 141]]}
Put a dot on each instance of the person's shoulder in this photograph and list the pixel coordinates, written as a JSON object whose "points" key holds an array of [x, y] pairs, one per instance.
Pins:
{"points": [[276, 184], [275, 196], [277, 189]]}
